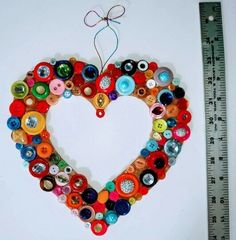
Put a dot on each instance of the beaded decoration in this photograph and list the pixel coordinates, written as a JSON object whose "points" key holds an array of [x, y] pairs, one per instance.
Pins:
{"points": [[49, 81]]}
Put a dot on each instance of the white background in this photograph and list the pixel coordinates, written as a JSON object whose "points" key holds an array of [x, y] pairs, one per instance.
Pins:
{"points": [[165, 31]]}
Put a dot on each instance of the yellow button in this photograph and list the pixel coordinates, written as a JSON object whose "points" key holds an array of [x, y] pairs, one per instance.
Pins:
{"points": [[33, 123], [159, 125], [100, 100]]}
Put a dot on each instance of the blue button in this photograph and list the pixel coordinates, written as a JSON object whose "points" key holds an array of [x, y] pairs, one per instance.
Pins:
{"points": [[144, 152], [165, 97], [111, 217], [90, 195], [172, 148], [37, 139], [13, 123], [85, 214], [171, 122], [90, 72], [67, 94], [125, 85], [19, 146], [167, 134], [122, 207], [152, 145], [28, 153]]}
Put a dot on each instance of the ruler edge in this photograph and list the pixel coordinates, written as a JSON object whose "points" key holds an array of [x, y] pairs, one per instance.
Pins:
{"points": [[201, 5]]}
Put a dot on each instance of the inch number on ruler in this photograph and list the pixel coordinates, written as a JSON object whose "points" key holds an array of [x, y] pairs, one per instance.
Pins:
{"points": [[216, 125]]}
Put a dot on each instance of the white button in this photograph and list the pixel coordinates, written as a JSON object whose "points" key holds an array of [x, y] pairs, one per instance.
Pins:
{"points": [[54, 169], [150, 83]]}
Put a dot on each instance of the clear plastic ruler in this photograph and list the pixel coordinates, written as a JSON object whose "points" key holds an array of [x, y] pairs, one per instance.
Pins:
{"points": [[216, 120]]}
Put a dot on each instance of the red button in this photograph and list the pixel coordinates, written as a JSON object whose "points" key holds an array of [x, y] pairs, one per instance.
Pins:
{"points": [[78, 66], [78, 183], [181, 132], [153, 157], [42, 106], [39, 168], [99, 227], [111, 67], [17, 108], [88, 90], [99, 207], [182, 104], [184, 117], [153, 66], [78, 80], [105, 83], [50, 74], [116, 73], [139, 78]]}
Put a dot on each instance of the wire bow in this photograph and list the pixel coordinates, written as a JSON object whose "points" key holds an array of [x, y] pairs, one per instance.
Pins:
{"points": [[106, 19]]}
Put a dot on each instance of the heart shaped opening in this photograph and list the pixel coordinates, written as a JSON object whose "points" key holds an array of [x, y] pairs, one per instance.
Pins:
{"points": [[99, 148]]}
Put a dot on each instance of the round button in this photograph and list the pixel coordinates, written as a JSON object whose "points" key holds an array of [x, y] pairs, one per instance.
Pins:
{"points": [[40, 90], [55, 158], [105, 83], [111, 217], [39, 168], [171, 122], [172, 148], [57, 87], [140, 163], [110, 186], [43, 72], [62, 179], [165, 97], [67, 94], [90, 195], [78, 66], [33, 122], [90, 72], [163, 76], [30, 101], [157, 110], [63, 70], [159, 125], [19, 89], [148, 178], [150, 83], [152, 145], [184, 117], [181, 132], [144, 152], [47, 183], [167, 134], [141, 92], [100, 113], [127, 185], [13, 123], [98, 227], [113, 95], [122, 207], [36, 139], [28, 153], [129, 67], [139, 78], [17, 108], [100, 100], [19, 136], [74, 200], [86, 214], [125, 85], [78, 182], [52, 99], [150, 100], [157, 161], [88, 90], [179, 92], [54, 169], [42, 106], [44, 150], [142, 65]]}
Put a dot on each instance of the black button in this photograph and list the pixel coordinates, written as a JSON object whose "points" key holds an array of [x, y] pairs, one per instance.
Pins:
{"points": [[129, 67], [159, 163], [63, 69], [148, 178], [47, 183], [85, 214], [90, 195], [166, 98], [110, 204], [179, 92]]}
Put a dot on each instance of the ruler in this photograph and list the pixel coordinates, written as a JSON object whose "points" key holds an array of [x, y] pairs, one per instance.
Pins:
{"points": [[216, 120]]}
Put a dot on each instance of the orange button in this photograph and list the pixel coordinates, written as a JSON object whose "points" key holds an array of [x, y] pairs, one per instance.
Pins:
{"points": [[44, 150], [74, 200], [103, 196]]}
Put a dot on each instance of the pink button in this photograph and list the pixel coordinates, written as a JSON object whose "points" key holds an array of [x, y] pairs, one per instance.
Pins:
{"points": [[30, 82], [57, 190], [114, 196], [181, 132], [57, 87]]}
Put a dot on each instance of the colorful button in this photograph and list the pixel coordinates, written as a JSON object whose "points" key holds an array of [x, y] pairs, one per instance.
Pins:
{"points": [[13, 123], [28, 153], [129, 67], [111, 217], [181, 132], [17, 108], [90, 72], [33, 122], [142, 65], [57, 87], [103, 196], [88, 90], [40, 90], [63, 70], [39, 168], [172, 148], [43, 72], [19, 136], [78, 183], [122, 207], [157, 110], [74, 200], [47, 183], [163, 76], [152, 145], [105, 83], [148, 178], [86, 213], [157, 161], [30, 101], [110, 186], [100, 100], [184, 117], [44, 150], [159, 125], [90, 195], [98, 227], [125, 85], [19, 89], [127, 185], [165, 97], [62, 179]]}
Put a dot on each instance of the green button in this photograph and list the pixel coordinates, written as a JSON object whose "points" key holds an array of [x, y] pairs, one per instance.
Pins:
{"points": [[19, 89], [63, 70], [40, 90], [55, 158], [110, 186], [62, 164]]}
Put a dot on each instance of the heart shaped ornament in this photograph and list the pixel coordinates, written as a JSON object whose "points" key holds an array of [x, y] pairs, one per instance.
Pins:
{"points": [[49, 81]]}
